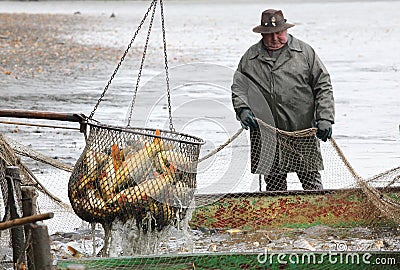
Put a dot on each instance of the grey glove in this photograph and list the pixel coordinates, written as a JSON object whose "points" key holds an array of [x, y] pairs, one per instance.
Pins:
{"points": [[324, 131], [247, 119]]}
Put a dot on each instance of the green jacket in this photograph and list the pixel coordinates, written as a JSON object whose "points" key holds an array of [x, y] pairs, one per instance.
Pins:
{"points": [[291, 94]]}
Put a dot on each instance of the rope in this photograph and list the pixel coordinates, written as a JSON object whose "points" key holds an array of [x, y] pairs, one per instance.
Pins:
{"points": [[12, 159], [388, 206], [385, 174], [222, 146], [37, 125], [298, 133], [28, 152]]}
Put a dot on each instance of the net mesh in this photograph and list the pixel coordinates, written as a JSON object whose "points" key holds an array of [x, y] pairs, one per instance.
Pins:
{"points": [[139, 172], [140, 185]]}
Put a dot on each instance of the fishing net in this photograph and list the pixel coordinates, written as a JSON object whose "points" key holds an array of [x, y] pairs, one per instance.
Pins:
{"points": [[131, 173], [142, 186], [134, 173], [229, 229], [282, 159]]}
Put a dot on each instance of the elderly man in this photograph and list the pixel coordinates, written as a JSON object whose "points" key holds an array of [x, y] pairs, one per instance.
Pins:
{"points": [[283, 82]]}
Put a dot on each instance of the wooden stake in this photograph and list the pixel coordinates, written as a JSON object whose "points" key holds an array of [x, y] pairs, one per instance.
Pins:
{"points": [[29, 206], [41, 241], [17, 233]]}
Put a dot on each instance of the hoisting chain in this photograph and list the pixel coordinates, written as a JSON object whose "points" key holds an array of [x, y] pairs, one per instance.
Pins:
{"points": [[171, 126], [141, 64], [152, 7], [153, 3]]}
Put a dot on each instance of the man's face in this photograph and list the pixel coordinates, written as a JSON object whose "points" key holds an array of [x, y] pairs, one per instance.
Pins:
{"points": [[275, 41]]}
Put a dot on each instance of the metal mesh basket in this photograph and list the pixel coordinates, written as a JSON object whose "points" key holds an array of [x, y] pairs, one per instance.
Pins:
{"points": [[126, 172]]}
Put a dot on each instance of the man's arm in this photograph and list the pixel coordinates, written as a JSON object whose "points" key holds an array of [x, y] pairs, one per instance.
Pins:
{"points": [[323, 93], [240, 87]]}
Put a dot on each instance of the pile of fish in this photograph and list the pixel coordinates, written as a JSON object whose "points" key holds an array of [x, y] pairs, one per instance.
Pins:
{"points": [[144, 180]]}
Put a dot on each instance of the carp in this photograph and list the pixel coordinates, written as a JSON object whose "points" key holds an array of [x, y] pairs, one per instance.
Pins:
{"points": [[96, 205], [167, 157], [89, 205], [163, 214], [118, 174], [92, 162], [75, 253], [151, 188]]}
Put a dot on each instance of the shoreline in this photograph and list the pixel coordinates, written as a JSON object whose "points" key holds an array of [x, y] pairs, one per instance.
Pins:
{"points": [[29, 6]]}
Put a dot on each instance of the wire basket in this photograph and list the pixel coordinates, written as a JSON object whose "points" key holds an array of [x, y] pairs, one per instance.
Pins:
{"points": [[127, 172]]}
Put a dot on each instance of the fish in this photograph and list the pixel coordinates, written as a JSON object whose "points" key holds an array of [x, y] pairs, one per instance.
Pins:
{"points": [[74, 252], [21, 266], [110, 171], [150, 214], [163, 214], [89, 205], [166, 157], [151, 188], [167, 213], [96, 163], [133, 167], [117, 156], [96, 206], [92, 162]]}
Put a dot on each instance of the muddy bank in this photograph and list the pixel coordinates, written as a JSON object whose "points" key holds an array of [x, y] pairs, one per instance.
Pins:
{"points": [[40, 46]]}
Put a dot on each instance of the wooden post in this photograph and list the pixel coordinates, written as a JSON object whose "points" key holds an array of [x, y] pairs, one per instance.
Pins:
{"points": [[25, 220], [29, 206], [41, 242], [17, 233]]}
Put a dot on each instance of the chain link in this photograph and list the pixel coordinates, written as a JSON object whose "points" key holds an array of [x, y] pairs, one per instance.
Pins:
{"points": [[152, 7], [141, 64], [171, 126], [122, 58]]}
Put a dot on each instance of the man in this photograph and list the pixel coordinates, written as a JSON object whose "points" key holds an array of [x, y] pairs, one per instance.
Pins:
{"points": [[282, 81]]}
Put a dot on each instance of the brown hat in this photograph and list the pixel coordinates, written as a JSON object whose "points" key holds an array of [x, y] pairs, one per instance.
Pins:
{"points": [[272, 21]]}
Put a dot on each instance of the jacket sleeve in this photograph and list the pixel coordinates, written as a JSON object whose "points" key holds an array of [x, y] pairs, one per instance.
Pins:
{"points": [[320, 82], [240, 89]]}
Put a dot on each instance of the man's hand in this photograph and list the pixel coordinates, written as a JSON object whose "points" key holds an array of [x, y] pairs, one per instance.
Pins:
{"points": [[324, 129], [247, 119]]}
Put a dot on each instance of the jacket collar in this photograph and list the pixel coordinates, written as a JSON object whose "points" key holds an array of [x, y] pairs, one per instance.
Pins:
{"points": [[293, 45]]}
